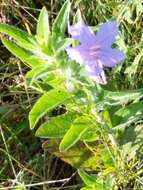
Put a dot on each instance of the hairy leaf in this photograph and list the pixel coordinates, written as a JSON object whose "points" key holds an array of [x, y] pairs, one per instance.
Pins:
{"points": [[45, 103], [23, 38], [43, 28], [78, 128], [61, 21], [57, 126], [25, 55], [128, 115]]}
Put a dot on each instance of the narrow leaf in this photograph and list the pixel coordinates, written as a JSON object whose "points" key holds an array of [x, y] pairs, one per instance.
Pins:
{"points": [[36, 73], [132, 69], [23, 38], [61, 44], [25, 55], [45, 103], [61, 21], [78, 128], [87, 179], [43, 29], [57, 126]]}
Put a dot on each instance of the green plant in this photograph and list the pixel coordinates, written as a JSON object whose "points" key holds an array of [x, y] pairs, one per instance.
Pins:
{"points": [[91, 119]]}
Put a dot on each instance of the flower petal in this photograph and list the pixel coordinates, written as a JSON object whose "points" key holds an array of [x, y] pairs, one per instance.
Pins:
{"points": [[81, 33], [94, 68], [96, 72], [107, 33], [101, 79], [111, 57], [78, 53]]}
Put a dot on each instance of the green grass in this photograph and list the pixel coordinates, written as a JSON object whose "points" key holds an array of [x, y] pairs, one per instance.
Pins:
{"points": [[22, 159]]}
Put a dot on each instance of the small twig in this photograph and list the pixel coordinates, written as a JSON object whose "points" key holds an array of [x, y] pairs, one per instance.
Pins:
{"points": [[37, 184], [67, 181]]}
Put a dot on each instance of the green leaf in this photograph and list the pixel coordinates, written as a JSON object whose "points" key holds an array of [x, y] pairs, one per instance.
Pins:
{"points": [[17, 50], [128, 115], [43, 29], [90, 135], [45, 103], [25, 55], [91, 188], [23, 38], [57, 126], [78, 128], [60, 23], [41, 86], [96, 182], [131, 141], [107, 119], [77, 156], [77, 16], [121, 98], [87, 179], [58, 81], [61, 44], [37, 72], [132, 69]]}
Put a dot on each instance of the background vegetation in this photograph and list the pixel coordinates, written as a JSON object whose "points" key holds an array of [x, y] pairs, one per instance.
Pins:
{"points": [[22, 159]]}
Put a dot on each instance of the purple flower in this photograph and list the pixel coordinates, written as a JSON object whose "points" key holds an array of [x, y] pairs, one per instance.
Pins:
{"points": [[95, 51]]}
